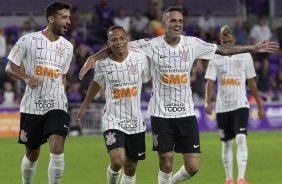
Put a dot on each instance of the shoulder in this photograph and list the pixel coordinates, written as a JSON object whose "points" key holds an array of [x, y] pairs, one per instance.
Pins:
{"points": [[136, 54], [30, 36], [217, 56], [66, 42]]}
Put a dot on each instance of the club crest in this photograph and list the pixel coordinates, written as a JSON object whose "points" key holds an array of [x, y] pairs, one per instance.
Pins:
{"points": [[238, 63], [184, 55], [60, 51], [110, 138], [132, 68], [23, 136]]}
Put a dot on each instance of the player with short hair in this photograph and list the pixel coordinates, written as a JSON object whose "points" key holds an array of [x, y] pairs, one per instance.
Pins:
{"points": [[174, 124], [46, 57], [232, 106], [121, 74]]}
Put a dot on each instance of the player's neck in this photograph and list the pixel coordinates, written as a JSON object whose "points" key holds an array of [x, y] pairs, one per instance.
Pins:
{"points": [[171, 40], [50, 35], [119, 57]]}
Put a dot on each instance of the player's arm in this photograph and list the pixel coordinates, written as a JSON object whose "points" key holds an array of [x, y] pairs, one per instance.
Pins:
{"points": [[14, 71], [209, 90], [254, 90], [92, 91], [262, 46], [91, 61], [64, 79]]}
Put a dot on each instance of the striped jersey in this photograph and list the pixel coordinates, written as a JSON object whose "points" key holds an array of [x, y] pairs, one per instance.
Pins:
{"points": [[123, 84], [47, 61], [170, 67], [231, 73]]}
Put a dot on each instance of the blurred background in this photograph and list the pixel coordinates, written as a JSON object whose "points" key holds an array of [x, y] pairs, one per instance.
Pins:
{"points": [[252, 20]]}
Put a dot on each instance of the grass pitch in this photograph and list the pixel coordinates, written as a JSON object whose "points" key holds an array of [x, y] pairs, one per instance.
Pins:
{"points": [[86, 161]]}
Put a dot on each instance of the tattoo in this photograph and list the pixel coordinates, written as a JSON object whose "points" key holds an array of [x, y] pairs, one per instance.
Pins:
{"points": [[232, 49], [194, 155], [102, 54], [165, 160]]}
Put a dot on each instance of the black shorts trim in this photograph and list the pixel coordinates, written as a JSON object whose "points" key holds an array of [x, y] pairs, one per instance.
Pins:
{"points": [[134, 144], [176, 134], [232, 123], [36, 129]]}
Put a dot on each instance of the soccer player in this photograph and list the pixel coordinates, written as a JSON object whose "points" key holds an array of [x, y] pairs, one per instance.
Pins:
{"points": [[174, 124], [46, 57], [121, 74], [232, 107]]}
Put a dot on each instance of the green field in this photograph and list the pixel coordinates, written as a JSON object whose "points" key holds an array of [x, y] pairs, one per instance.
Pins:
{"points": [[86, 161]]}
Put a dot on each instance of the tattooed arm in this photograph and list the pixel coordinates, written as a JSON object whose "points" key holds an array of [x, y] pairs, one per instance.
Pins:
{"points": [[91, 61], [262, 46]]}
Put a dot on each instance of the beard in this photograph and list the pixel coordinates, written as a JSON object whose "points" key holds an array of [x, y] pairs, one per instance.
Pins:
{"points": [[57, 30]]}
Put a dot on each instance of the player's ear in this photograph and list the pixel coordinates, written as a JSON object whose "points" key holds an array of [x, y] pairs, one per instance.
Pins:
{"points": [[51, 19], [234, 39]]}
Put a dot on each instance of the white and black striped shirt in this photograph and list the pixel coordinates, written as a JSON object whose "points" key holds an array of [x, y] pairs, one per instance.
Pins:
{"points": [[123, 84], [170, 69], [47, 61], [231, 73]]}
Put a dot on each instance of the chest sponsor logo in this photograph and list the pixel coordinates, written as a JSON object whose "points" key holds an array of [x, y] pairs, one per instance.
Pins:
{"points": [[125, 92], [230, 82], [129, 124], [174, 78], [172, 107], [46, 72], [44, 103]]}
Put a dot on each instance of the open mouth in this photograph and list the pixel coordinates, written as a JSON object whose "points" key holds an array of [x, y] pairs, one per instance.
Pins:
{"points": [[65, 28], [176, 30]]}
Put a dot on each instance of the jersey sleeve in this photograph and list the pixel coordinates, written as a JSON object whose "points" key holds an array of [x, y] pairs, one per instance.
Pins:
{"points": [[211, 72], [250, 69], [146, 74], [202, 49], [142, 45], [18, 52], [69, 59], [98, 76]]}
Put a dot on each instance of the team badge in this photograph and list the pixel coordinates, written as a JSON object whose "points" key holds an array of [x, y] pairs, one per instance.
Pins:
{"points": [[184, 55], [23, 136], [155, 140], [110, 138], [132, 68], [221, 133], [238, 63], [60, 51]]}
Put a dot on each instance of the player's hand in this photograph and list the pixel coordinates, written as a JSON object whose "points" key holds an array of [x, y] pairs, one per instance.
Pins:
{"points": [[79, 116], [261, 113], [32, 82], [265, 46], [208, 108], [89, 64]]}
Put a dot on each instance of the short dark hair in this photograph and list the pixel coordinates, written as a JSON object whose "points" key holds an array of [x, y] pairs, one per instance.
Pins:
{"points": [[173, 8], [115, 27], [52, 8]]}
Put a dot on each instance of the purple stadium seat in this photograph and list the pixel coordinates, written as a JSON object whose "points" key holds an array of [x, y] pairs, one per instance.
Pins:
{"points": [[274, 59], [13, 29], [96, 48]]}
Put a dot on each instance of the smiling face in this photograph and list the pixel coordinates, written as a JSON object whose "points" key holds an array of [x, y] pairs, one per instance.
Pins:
{"points": [[118, 41], [173, 24], [60, 22]]}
